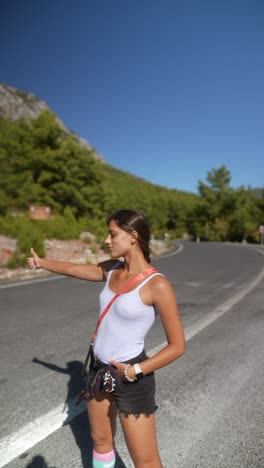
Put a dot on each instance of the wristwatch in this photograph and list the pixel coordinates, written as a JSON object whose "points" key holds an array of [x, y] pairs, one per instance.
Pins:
{"points": [[138, 372]]}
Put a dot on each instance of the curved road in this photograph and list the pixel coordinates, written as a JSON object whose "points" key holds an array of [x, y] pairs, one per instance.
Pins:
{"points": [[210, 400]]}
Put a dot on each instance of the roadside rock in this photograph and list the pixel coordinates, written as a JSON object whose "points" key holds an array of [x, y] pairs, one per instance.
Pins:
{"points": [[7, 248], [74, 251]]}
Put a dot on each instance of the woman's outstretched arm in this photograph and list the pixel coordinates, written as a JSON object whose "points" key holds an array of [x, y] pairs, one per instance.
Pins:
{"points": [[86, 272]]}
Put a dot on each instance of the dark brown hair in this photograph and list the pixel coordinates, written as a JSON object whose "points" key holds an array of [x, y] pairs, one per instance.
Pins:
{"points": [[130, 220]]}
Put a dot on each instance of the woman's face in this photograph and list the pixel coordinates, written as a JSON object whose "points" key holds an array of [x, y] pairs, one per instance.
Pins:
{"points": [[118, 241]]}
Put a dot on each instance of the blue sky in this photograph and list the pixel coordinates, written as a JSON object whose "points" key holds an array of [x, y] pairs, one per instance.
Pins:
{"points": [[163, 89]]}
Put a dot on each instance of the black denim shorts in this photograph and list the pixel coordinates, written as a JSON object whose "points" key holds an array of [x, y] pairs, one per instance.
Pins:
{"points": [[136, 397]]}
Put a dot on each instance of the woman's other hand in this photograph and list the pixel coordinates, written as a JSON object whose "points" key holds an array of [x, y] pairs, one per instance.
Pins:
{"points": [[120, 366], [34, 261]]}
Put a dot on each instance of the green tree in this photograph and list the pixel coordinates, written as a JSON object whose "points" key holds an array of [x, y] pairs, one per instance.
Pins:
{"points": [[42, 165], [244, 217], [207, 219]]}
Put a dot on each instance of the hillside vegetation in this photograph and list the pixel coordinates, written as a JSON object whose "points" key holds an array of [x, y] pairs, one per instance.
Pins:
{"points": [[42, 165]]}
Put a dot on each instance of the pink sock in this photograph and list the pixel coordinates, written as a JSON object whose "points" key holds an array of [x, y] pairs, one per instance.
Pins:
{"points": [[103, 460]]}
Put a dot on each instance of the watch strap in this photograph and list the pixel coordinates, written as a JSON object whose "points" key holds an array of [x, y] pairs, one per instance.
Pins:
{"points": [[138, 371]]}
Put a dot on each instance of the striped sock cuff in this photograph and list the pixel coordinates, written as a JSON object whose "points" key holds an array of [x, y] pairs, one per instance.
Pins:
{"points": [[103, 460]]}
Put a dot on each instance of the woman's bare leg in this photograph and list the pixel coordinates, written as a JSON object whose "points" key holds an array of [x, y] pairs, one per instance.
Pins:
{"points": [[141, 439], [102, 418]]}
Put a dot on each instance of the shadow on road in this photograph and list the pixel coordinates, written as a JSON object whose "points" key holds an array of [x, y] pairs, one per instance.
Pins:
{"points": [[38, 462], [79, 425]]}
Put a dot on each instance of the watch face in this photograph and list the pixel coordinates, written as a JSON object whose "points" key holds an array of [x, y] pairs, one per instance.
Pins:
{"points": [[139, 375]]}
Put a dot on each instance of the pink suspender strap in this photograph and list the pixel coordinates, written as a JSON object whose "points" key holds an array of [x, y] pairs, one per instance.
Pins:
{"points": [[131, 283]]}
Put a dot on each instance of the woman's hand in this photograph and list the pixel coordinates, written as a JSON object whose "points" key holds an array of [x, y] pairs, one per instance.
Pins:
{"points": [[34, 261], [120, 366]]}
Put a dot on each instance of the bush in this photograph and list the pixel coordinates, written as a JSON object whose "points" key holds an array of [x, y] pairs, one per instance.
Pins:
{"points": [[64, 227], [17, 260], [28, 234]]}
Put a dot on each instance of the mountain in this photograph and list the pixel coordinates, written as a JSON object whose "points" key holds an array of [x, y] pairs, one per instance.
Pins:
{"points": [[16, 104]]}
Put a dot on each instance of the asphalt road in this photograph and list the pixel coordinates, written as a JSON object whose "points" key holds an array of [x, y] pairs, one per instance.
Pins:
{"points": [[211, 405]]}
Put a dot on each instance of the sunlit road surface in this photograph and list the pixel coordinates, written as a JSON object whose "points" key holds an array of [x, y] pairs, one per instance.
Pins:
{"points": [[210, 400]]}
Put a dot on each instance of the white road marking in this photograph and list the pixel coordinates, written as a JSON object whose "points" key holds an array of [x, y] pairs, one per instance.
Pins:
{"points": [[175, 252], [17, 443], [193, 284], [228, 285], [32, 281]]}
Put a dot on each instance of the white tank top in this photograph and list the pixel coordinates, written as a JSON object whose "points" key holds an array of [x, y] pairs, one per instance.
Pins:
{"points": [[122, 331]]}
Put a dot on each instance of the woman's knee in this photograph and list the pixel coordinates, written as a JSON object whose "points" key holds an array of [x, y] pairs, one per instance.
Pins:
{"points": [[149, 461], [101, 437]]}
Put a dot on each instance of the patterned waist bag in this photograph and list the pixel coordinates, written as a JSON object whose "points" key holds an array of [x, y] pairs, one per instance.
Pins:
{"points": [[99, 377]]}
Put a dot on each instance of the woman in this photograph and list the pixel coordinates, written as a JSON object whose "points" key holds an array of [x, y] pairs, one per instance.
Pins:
{"points": [[120, 339]]}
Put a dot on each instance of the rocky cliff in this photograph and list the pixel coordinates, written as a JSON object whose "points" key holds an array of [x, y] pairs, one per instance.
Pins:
{"points": [[15, 105]]}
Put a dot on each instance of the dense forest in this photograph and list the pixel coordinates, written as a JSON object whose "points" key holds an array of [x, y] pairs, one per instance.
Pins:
{"points": [[41, 165]]}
